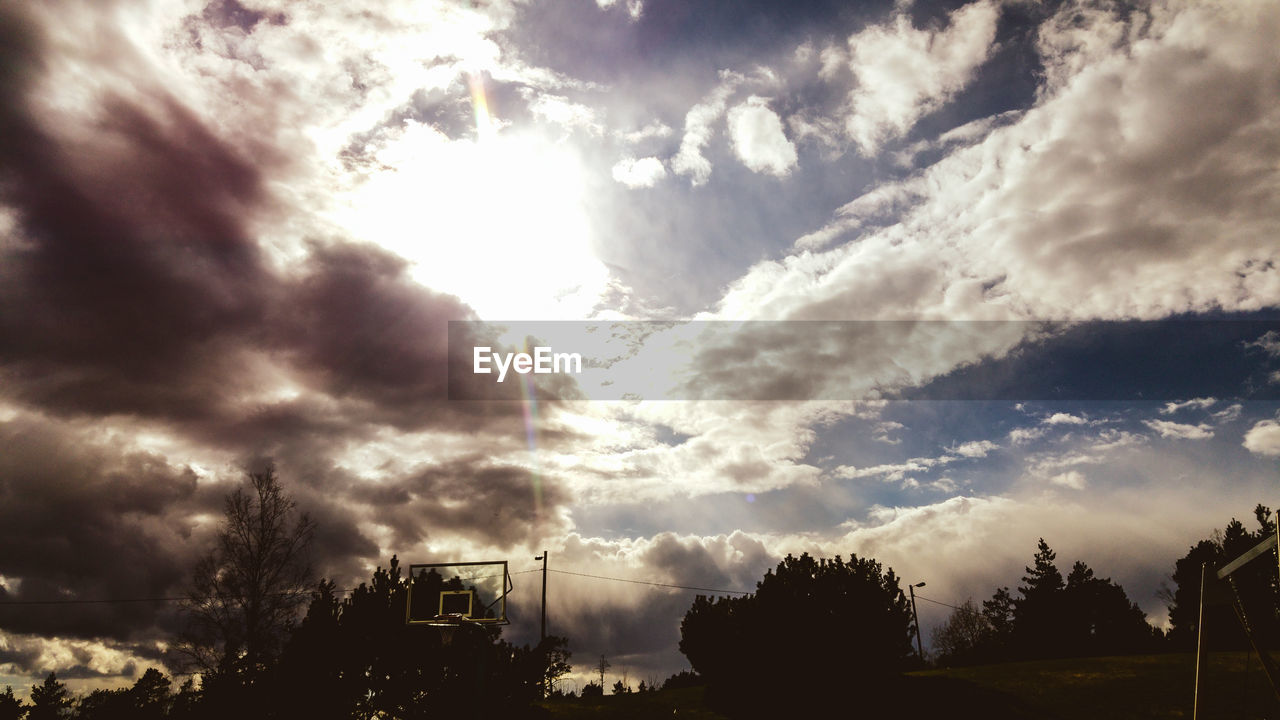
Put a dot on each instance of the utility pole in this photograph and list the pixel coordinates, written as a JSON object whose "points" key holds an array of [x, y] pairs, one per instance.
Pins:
{"points": [[916, 618], [543, 558]]}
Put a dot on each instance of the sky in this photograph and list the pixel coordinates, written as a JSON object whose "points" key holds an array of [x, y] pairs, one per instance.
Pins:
{"points": [[974, 273]]}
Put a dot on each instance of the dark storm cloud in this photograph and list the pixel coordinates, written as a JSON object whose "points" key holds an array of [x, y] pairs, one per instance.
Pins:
{"points": [[690, 563], [638, 626], [131, 273], [362, 331], [651, 627], [366, 329], [469, 497], [78, 520]]}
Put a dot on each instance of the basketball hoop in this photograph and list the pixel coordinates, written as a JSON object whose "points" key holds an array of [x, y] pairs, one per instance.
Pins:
{"points": [[446, 634]]}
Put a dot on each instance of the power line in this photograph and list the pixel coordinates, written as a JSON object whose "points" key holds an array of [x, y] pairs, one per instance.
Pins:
{"points": [[646, 582], [936, 602]]}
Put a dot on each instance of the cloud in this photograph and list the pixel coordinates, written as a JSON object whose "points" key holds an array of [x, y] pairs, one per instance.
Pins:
{"points": [[560, 110], [655, 129], [883, 430], [758, 138], [892, 472], [1179, 431], [1073, 479], [635, 8], [642, 173], [1229, 413], [974, 449], [1268, 343], [904, 73], [1022, 436], [88, 515], [689, 160], [1263, 438], [1064, 419], [1092, 203], [1197, 403]]}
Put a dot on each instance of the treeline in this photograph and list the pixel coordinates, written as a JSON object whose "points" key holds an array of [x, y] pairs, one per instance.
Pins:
{"points": [[1086, 615], [349, 658], [830, 633], [1080, 615]]}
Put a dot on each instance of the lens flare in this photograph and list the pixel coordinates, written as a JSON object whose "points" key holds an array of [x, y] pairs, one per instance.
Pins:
{"points": [[480, 103]]}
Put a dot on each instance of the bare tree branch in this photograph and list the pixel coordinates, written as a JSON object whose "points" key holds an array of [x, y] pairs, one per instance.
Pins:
{"points": [[247, 591]]}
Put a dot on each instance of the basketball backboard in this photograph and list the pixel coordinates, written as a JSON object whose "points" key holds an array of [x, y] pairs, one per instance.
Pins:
{"points": [[453, 593]]}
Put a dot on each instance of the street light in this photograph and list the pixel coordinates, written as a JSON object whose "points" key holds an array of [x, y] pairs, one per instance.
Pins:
{"points": [[916, 618]]}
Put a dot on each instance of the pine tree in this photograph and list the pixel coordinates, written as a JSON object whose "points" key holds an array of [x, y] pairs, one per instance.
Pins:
{"points": [[11, 708], [50, 700], [1038, 630]]}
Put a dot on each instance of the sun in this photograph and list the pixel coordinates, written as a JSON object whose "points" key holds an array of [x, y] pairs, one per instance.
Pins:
{"points": [[498, 220]]}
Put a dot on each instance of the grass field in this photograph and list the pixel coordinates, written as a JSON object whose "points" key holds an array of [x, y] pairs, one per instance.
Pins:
{"points": [[1141, 686]]}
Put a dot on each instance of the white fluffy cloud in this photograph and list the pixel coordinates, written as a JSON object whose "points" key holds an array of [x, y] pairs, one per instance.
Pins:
{"points": [[758, 138], [641, 173], [903, 73], [698, 130], [1264, 438]]}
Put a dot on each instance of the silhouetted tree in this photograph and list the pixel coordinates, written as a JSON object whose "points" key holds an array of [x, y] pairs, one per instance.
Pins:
{"points": [[819, 624], [148, 699], [1256, 583], [1037, 614], [966, 637], [49, 700], [998, 612], [103, 704], [621, 688], [185, 704], [11, 708], [247, 590], [1099, 619], [682, 679], [592, 690], [601, 667]]}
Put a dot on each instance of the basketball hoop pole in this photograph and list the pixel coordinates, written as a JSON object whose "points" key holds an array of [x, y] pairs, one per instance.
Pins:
{"points": [[1195, 702], [543, 558]]}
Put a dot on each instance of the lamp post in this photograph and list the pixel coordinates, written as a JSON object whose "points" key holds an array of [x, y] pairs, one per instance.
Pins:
{"points": [[543, 558], [916, 618]]}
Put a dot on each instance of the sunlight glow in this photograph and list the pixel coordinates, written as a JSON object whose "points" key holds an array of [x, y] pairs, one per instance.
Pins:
{"points": [[498, 221]]}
